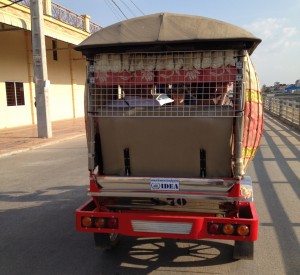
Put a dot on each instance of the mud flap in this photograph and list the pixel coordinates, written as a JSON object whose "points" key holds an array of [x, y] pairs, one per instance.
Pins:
{"points": [[106, 240], [243, 250]]}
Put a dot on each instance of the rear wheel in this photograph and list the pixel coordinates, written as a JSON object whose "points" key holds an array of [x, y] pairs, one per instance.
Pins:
{"points": [[106, 240], [243, 250]]}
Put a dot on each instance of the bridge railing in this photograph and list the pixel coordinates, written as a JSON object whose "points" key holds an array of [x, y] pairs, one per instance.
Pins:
{"points": [[286, 109]]}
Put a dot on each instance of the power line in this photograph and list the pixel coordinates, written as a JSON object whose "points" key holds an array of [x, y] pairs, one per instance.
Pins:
{"points": [[8, 5], [137, 7], [130, 10], [119, 9], [118, 12], [112, 8]]}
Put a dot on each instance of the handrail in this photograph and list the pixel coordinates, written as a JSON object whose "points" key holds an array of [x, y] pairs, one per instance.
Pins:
{"points": [[285, 109], [66, 16]]}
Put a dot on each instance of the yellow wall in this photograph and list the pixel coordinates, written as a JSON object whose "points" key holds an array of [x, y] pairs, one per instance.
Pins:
{"points": [[79, 73], [66, 75], [13, 67]]}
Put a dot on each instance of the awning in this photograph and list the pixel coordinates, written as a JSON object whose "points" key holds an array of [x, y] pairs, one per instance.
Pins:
{"points": [[14, 21]]}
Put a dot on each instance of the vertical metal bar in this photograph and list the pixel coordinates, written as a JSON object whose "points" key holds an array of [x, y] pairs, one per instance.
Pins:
{"points": [[91, 143], [239, 125], [202, 163], [90, 127], [280, 108], [127, 162]]}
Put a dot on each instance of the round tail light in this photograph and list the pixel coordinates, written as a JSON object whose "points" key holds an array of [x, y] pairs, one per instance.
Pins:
{"points": [[228, 229], [86, 222], [243, 230], [214, 228], [112, 223], [99, 222]]}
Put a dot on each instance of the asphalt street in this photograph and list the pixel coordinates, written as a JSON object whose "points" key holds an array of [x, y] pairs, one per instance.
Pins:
{"points": [[41, 188]]}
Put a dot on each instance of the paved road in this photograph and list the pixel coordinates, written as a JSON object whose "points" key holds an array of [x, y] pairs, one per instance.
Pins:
{"points": [[40, 189]]}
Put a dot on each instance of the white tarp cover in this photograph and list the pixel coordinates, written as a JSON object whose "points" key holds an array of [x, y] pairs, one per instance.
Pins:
{"points": [[167, 27]]}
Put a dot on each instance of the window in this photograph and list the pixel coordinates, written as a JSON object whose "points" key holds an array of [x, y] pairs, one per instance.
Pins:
{"points": [[54, 50], [14, 93]]}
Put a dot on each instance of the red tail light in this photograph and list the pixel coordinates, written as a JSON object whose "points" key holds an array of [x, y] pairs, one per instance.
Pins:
{"points": [[86, 222], [99, 222], [214, 228], [93, 222], [243, 230], [112, 223], [228, 229]]}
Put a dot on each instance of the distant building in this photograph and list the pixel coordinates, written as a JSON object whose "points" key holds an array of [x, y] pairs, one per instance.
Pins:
{"points": [[279, 88], [66, 67], [293, 89]]}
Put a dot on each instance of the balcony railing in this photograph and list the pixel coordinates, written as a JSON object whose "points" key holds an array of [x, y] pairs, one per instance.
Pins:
{"points": [[66, 16], [94, 27], [25, 3]]}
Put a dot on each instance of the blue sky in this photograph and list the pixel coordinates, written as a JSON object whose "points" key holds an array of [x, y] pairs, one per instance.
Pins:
{"points": [[277, 23]]}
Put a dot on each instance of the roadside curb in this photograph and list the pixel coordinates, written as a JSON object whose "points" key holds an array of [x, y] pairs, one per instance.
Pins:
{"points": [[43, 144]]}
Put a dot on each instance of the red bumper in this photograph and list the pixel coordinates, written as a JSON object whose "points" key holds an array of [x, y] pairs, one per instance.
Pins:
{"points": [[169, 224]]}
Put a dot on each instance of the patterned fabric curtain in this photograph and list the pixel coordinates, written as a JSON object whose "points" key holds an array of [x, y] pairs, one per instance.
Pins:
{"points": [[170, 61]]}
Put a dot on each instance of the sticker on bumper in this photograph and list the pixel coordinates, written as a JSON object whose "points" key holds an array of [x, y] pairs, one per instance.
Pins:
{"points": [[164, 184]]}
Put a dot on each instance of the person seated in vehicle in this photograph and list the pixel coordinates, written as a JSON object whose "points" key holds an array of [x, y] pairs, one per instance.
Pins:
{"points": [[221, 96]]}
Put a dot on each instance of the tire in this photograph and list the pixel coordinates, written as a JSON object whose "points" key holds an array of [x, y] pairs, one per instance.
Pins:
{"points": [[243, 250], [106, 240]]}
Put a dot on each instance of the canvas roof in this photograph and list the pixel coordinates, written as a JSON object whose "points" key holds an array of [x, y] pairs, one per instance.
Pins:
{"points": [[168, 28]]}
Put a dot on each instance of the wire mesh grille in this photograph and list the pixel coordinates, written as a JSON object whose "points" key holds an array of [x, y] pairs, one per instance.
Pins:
{"points": [[165, 84]]}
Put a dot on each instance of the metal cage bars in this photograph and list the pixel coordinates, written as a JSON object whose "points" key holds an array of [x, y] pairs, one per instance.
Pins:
{"points": [[166, 84]]}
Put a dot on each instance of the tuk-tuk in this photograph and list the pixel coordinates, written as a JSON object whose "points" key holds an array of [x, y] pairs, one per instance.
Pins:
{"points": [[173, 116]]}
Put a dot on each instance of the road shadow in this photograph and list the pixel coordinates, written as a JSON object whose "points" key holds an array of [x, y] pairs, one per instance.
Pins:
{"points": [[284, 228]]}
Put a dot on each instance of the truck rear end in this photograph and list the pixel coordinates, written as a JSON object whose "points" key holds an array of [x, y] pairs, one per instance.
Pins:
{"points": [[173, 116]]}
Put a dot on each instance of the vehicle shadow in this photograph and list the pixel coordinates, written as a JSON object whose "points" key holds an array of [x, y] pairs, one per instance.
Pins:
{"points": [[38, 236]]}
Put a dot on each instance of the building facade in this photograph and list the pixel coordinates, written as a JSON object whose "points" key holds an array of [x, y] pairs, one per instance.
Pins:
{"points": [[66, 67]]}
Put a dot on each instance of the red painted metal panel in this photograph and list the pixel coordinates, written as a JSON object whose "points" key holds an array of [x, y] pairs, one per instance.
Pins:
{"points": [[199, 222]]}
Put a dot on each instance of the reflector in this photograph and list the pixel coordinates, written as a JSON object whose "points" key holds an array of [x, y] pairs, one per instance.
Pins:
{"points": [[86, 222]]}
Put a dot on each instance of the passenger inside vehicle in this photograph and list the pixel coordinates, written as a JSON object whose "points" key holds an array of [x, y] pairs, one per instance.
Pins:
{"points": [[202, 94], [222, 94]]}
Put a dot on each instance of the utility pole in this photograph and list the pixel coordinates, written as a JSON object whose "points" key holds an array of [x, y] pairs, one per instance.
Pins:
{"points": [[40, 69]]}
